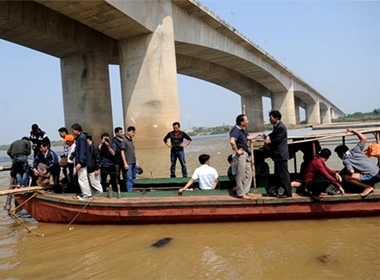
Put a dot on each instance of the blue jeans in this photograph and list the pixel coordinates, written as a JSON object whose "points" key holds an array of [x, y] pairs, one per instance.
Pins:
{"points": [[173, 158], [21, 169], [131, 176]]}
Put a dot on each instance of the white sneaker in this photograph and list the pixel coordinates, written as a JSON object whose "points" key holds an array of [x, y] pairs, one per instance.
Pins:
{"points": [[84, 197]]}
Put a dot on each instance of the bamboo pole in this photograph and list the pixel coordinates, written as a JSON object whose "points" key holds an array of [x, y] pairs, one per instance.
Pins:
{"points": [[5, 168], [23, 190], [314, 137], [253, 169]]}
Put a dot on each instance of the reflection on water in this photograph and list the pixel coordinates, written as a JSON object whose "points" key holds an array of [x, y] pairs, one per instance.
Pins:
{"points": [[308, 249]]}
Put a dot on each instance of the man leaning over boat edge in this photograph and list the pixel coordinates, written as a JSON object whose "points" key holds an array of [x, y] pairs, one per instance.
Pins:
{"points": [[358, 170]]}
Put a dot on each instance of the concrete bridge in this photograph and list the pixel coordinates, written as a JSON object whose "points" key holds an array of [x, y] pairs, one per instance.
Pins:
{"points": [[152, 41]]}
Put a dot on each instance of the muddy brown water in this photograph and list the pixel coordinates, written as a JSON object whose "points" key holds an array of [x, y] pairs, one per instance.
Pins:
{"points": [[308, 249]]}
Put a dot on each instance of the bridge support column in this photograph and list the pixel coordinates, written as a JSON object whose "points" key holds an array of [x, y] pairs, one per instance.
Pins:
{"points": [[297, 111], [312, 113], [326, 115], [284, 102], [149, 83], [86, 92], [254, 111]]}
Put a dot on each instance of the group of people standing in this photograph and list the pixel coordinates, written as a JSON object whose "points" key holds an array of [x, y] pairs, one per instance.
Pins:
{"points": [[90, 164], [84, 164]]}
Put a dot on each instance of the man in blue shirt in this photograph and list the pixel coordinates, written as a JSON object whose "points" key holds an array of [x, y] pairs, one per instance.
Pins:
{"points": [[242, 156]]}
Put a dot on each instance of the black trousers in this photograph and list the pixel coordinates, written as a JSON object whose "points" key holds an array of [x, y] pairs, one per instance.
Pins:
{"points": [[282, 178], [316, 187]]}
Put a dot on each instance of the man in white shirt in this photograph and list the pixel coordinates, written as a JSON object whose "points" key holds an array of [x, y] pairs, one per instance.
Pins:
{"points": [[207, 175]]}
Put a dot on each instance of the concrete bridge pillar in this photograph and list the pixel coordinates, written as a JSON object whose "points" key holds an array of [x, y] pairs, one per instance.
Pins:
{"points": [[312, 113], [297, 111], [326, 115], [284, 102], [86, 92], [149, 82], [253, 105]]}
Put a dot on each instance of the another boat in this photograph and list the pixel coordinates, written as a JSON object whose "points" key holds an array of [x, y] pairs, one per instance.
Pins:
{"points": [[196, 206]]}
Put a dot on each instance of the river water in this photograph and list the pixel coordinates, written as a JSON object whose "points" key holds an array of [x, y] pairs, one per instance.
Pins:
{"points": [[308, 249]]}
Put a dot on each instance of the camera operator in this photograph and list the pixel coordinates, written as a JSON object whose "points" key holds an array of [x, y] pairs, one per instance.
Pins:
{"points": [[107, 163]]}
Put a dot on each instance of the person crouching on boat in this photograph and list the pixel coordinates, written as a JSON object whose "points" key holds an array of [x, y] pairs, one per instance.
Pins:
{"points": [[207, 175], [358, 170], [46, 164], [318, 176]]}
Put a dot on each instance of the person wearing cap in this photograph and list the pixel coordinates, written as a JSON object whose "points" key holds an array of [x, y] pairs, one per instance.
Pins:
{"points": [[72, 181], [36, 136]]}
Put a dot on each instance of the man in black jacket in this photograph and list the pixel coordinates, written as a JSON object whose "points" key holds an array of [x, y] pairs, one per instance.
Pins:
{"points": [[277, 141]]}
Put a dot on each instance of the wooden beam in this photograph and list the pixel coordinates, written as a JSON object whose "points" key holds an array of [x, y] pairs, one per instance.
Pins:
{"points": [[23, 190]]}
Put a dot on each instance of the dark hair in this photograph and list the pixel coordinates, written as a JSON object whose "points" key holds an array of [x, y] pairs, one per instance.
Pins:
{"points": [[45, 143], [325, 153], [131, 128], [239, 119], [275, 114], [104, 134], [176, 123], [76, 126], [88, 135], [117, 129], [63, 129], [35, 127], [203, 158], [229, 158], [341, 149]]}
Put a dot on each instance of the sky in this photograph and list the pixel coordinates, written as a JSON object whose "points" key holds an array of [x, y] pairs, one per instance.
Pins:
{"points": [[332, 45]]}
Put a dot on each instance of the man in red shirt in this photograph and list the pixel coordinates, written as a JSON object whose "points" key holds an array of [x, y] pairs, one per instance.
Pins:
{"points": [[318, 176]]}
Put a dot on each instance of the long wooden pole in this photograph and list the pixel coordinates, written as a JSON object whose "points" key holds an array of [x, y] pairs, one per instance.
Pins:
{"points": [[253, 169], [5, 168], [23, 190]]}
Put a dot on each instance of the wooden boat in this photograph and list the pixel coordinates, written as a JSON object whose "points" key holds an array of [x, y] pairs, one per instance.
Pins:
{"points": [[195, 206], [157, 201]]}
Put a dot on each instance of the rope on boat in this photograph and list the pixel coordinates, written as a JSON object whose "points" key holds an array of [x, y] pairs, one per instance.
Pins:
{"points": [[13, 215], [76, 216]]}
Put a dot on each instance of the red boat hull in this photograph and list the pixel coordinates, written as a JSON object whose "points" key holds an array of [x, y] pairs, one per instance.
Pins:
{"points": [[144, 209]]}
